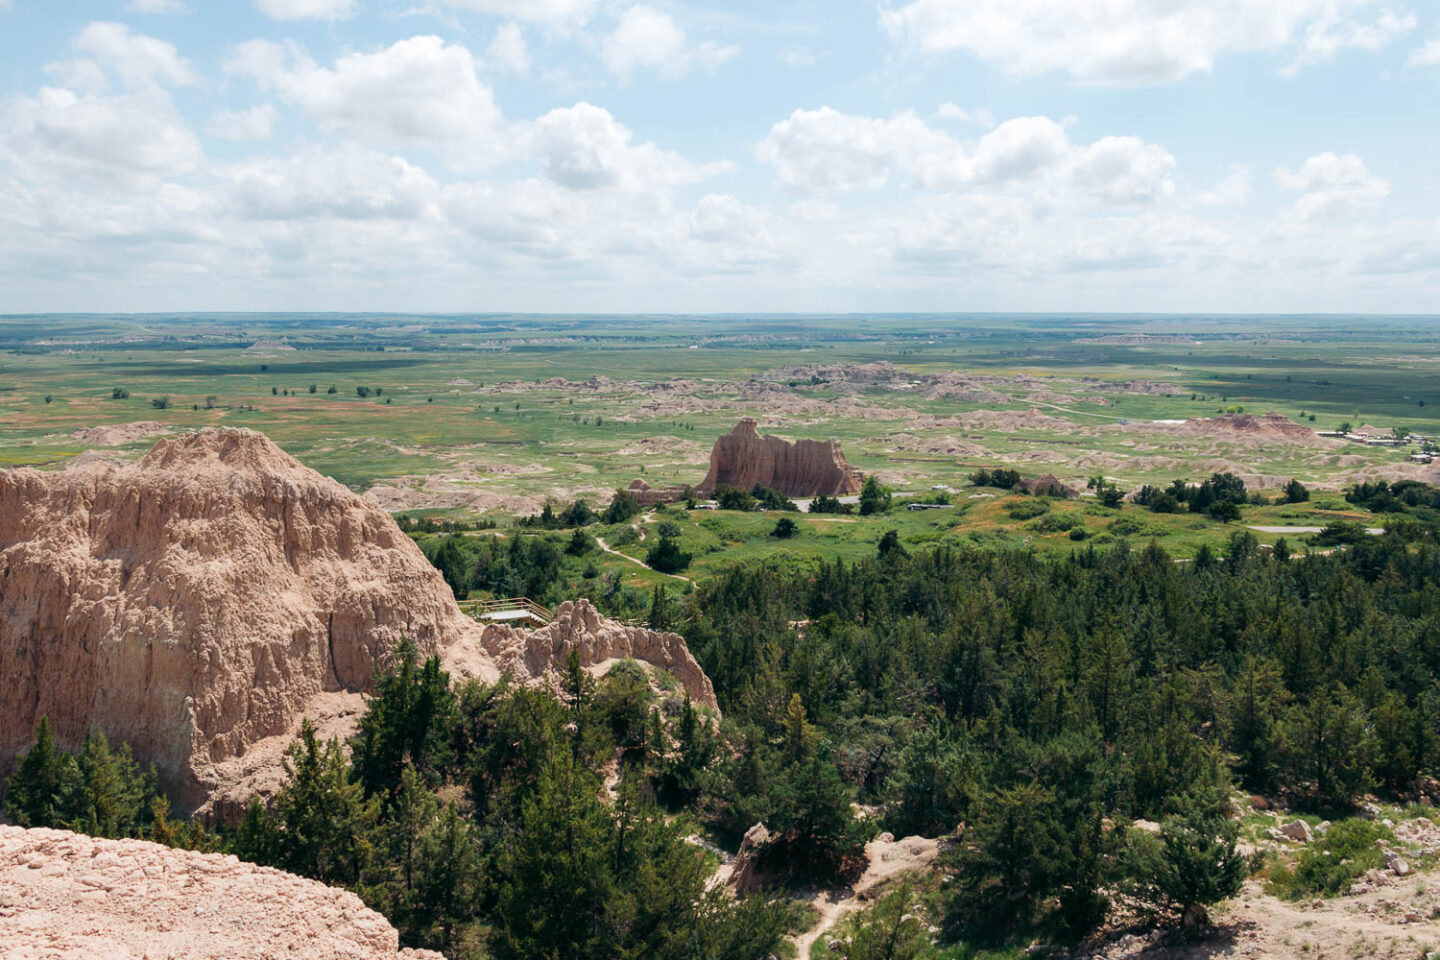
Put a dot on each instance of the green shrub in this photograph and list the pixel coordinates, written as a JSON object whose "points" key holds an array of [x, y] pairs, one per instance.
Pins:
{"points": [[1132, 526], [1056, 523], [1029, 509], [1332, 862]]}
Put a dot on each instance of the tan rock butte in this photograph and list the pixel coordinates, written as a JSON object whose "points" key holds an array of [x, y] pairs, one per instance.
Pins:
{"points": [[805, 468], [200, 602]]}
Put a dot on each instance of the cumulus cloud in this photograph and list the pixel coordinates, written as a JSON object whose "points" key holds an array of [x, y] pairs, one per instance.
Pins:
{"points": [[1428, 55], [552, 12], [306, 9], [649, 37], [508, 50], [1232, 191], [827, 152], [420, 91], [951, 111], [1326, 37], [1134, 43], [350, 183], [250, 124], [133, 58], [129, 140], [585, 148], [1331, 185], [155, 6]]}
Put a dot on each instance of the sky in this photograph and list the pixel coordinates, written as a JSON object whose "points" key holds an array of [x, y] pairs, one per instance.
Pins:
{"points": [[786, 156]]}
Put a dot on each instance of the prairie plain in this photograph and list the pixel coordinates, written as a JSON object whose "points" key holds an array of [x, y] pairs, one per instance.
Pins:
{"points": [[490, 417]]}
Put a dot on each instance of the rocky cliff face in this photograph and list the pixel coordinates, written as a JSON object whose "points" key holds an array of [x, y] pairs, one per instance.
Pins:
{"points": [[64, 895], [198, 603], [806, 468]]}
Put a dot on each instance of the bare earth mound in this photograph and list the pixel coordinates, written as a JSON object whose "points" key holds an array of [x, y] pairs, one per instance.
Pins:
{"points": [[117, 434], [63, 896], [1261, 428], [805, 468], [198, 603]]}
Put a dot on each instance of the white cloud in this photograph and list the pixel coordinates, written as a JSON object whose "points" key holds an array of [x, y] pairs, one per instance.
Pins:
{"points": [[552, 12], [584, 148], [1332, 185], [1428, 55], [306, 9], [1132, 41], [649, 37], [1232, 191], [253, 123], [122, 141], [1326, 37], [351, 183], [827, 152], [797, 57], [951, 111], [418, 91], [134, 58], [508, 51], [155, 6], [1124, 171]]}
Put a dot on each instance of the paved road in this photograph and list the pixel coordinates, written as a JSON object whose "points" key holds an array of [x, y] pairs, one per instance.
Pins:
{"points": [[1375, 531]]}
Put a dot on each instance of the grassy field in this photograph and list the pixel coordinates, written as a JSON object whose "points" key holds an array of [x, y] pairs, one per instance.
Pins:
{"points": [[495, 414]]}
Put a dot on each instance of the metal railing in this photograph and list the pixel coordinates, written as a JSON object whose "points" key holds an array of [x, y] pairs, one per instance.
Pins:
{"points": [[492, 609]]}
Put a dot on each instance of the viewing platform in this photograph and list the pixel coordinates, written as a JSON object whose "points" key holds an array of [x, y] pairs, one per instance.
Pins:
{"points": [[521, 611]]}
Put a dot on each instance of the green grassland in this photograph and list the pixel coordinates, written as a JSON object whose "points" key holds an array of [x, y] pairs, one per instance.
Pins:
{"points": [[495, 414]]}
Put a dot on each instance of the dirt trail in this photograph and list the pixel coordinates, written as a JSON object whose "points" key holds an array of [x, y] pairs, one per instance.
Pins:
{"points": [[887, 859], [600, 541], [1391, 921]]}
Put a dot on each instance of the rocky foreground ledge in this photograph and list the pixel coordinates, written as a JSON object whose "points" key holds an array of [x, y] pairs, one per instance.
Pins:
{"points": [[64, 895]]}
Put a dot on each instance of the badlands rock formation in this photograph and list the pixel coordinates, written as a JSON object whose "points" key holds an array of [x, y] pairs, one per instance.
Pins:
{"points": [[806, 468], [63, 895], [198, 603], [601, 642]]}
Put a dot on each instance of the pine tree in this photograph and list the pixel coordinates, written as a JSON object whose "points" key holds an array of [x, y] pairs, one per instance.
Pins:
{"points": [[1195, 863], [43, 791], [659, 618], [326, 826], [116, 794], [447, 896], [407, 723]]}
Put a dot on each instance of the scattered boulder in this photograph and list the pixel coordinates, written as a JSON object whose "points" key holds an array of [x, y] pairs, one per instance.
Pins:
{"points": [[1396, 864], [1297, 830], [71, 897]]}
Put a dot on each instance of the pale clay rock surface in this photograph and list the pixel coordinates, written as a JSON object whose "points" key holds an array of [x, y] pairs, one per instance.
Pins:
{"points": [[805, 468], [199, 602], [64, 896]]}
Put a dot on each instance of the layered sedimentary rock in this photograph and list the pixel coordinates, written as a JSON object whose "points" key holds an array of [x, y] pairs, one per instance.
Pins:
{"points": [[198, 603], [64, 895], [579, 626], [805, 468], [648, 496]]}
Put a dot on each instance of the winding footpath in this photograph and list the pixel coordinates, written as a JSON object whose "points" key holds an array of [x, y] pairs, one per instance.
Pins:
{"points": [[600, 541]]}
